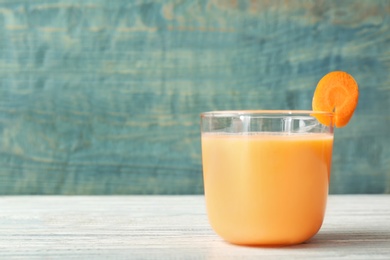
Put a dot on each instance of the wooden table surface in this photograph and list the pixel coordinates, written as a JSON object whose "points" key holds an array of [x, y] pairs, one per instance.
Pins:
{"points": [[174, 227]]}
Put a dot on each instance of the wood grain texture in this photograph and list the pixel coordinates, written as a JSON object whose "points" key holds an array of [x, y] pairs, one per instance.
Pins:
{"points": [[175, 227], [103, 97]]}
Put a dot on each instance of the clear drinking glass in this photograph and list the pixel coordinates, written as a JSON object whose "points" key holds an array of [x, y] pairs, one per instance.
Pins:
{"points": [[266, 174]]}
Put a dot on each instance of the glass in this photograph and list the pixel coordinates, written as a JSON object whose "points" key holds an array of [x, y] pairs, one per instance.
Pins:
{"points": [[266, 174]]}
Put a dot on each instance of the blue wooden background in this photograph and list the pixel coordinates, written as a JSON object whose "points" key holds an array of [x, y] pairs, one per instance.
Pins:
{"points": [[103, 97]]}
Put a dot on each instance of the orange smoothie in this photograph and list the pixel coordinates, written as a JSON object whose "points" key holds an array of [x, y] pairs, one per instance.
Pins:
{"points": [[266, 189]]}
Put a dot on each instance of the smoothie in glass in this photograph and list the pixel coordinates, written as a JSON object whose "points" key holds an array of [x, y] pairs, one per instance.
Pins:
{"points": [[266, 174]]}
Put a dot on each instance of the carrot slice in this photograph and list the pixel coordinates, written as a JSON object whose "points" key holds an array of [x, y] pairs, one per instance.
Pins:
{"points": [[336, 92]]}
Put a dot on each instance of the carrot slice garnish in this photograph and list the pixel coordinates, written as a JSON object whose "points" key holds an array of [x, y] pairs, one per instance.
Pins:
{"points": [[336, 92]]}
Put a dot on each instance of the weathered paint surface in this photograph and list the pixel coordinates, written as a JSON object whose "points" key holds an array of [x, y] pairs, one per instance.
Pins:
{"points": [[103, 97]]}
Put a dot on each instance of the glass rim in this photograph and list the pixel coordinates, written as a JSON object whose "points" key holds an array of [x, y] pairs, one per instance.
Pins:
{"points": [[231, 113]]}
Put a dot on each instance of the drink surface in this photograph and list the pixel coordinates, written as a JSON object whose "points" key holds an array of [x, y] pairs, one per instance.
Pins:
{"points": [[264, 188]]}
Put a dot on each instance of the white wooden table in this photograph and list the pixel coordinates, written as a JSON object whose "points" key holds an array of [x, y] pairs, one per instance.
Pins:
{"points": [[175, 227]]}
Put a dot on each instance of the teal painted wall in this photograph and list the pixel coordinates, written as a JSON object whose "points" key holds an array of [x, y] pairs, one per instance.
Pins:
{"points": [[103, 97]]}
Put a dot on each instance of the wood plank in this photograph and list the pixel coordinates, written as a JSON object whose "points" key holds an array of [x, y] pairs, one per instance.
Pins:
{"points": [[175, 227], [103, 97]]}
